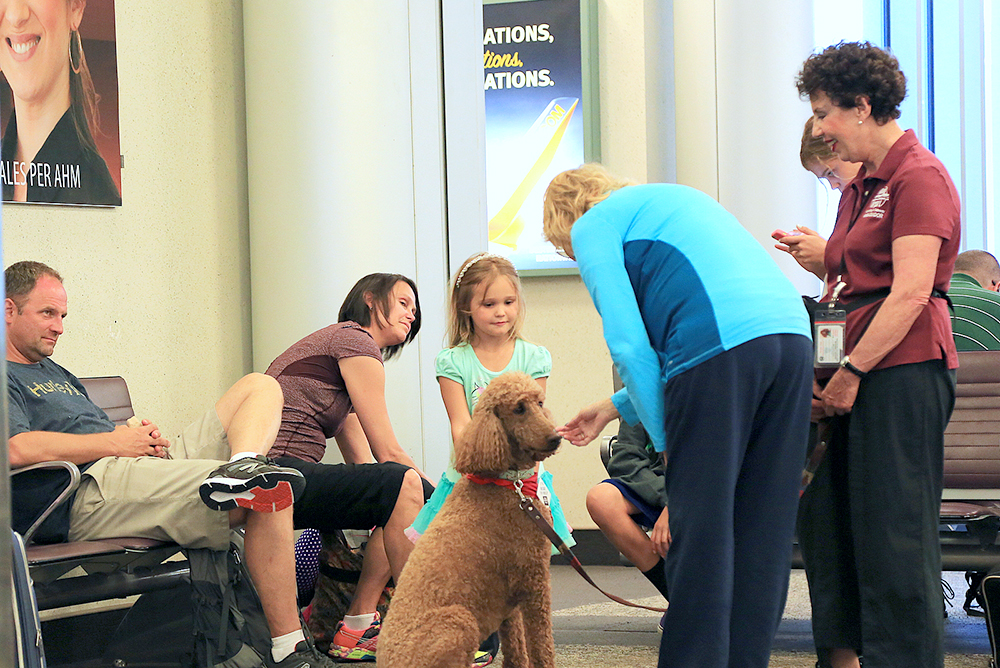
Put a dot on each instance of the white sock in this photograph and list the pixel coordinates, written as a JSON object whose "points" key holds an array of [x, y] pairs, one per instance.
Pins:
{"points": [[284, 645], [242, 455], [359, 622]]}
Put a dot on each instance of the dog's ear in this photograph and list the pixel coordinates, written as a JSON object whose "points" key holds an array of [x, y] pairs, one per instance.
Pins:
{"points": [[483, 444]]}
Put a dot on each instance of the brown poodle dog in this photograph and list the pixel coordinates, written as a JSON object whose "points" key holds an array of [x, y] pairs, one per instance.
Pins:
{"points": [[482, 564]]}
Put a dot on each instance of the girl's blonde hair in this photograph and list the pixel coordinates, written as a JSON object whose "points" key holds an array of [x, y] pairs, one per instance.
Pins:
{"points": [[572, 194], [481, 268], [813, 151]]}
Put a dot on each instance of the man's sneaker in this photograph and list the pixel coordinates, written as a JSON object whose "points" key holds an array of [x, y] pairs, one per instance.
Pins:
{"points": [[487, 651], [255, 483], [482, 658], [348, 645], [305, 656]]}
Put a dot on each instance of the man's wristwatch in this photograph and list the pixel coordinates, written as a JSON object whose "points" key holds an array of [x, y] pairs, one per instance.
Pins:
{"points": [[845, 363]]}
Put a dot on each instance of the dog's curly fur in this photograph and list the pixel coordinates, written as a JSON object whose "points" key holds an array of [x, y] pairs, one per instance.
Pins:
{"points": [[482, 564]]}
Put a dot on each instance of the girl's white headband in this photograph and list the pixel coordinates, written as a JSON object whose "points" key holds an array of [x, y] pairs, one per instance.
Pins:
{"points": [[461, 274]]}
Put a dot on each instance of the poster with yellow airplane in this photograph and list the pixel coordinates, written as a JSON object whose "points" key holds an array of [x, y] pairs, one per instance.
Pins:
{"points": [[533, 84]]}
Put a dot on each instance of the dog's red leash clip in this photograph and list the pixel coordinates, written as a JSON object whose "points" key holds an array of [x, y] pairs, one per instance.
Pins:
{"points": [[531, 511]]}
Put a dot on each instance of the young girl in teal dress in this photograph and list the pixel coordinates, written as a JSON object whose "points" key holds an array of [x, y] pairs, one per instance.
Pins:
{"points": [[486, 312]]}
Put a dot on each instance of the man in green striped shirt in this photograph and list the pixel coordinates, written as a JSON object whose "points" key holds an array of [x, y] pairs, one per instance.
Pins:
{"points": [[974, 284]]}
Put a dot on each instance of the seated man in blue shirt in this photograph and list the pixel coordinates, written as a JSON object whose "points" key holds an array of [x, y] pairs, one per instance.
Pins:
{"points": [[135, 482]]}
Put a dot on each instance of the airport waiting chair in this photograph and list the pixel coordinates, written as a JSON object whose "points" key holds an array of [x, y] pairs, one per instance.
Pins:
{"points": [[87, 571]]}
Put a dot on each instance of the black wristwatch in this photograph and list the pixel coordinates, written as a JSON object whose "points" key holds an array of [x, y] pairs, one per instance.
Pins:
{"points": [[845, 363]]}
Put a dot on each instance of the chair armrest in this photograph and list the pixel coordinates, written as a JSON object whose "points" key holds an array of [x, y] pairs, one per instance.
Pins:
{"points": [[607, 448], [74, 482]]}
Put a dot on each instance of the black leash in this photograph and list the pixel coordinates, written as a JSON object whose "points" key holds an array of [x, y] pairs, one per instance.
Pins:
{"points": [[823, 431], [532, 511]]}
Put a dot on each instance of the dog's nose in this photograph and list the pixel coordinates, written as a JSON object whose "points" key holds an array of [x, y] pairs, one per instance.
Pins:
{"points": [[554, 442]]}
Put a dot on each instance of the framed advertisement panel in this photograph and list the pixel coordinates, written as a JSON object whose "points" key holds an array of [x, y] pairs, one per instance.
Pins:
{"points": [[542, 117], [78, 159]]}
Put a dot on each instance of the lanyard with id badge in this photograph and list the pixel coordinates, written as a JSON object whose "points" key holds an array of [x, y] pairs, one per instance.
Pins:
{"points": [[830, 331], [830, 323]]}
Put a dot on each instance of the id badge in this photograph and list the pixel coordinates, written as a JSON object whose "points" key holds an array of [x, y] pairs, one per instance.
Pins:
{"points": [[828, 336]]}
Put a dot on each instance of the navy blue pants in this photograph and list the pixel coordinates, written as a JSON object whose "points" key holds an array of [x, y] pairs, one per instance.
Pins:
{"points": [[868, 522], [736, 438]]}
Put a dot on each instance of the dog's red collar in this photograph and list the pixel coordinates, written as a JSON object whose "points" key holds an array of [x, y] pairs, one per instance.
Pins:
{"points": [[529, 486]]}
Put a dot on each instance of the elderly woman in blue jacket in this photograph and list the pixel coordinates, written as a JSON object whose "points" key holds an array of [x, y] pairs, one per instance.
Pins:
{"points": [[713, 344]]}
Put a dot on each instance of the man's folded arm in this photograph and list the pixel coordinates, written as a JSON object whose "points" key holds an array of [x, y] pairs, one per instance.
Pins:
{"points": [[32, 447]]}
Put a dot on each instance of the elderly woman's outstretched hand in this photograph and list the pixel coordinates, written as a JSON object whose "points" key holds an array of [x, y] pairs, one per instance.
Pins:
{"points": [[589, 423]]}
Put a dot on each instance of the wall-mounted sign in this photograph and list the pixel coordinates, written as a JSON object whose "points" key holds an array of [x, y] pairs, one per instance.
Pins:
{"points": [[538, 82], [59, 104]]}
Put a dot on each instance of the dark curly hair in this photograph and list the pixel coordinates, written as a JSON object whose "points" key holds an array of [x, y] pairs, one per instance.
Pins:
{"points": [[849, 70]]}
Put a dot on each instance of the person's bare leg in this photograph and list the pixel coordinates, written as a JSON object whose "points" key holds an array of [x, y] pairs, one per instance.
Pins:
{"points": [[844, 657], [250, 412], [375, 574], [408, 504], [270, 558], [611, 512]]}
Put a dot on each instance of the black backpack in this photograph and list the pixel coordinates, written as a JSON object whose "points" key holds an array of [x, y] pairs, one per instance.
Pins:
{"points": [[230, 630]]}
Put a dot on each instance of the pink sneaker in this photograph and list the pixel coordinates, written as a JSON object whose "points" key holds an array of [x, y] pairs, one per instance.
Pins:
{"points": [[349, 645]]}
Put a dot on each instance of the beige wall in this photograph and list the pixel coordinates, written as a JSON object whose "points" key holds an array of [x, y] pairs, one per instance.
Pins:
{"points": [[158, 288], [561, 316]]}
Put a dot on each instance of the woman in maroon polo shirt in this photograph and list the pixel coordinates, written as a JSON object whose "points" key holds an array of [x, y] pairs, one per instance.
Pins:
{"points": [[869, 520]]}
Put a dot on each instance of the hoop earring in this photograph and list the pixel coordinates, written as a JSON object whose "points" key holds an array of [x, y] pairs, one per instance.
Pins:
{"points": [[79, 49]]}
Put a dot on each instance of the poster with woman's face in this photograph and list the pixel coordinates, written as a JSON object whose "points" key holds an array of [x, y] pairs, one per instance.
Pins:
{"points": [[59, 102]]}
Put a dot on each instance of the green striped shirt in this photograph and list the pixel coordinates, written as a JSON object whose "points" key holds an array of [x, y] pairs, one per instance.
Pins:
{"points": [[976, 320]]}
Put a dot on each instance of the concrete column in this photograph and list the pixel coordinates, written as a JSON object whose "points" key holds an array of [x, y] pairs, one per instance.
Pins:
{"points": [[739, 117], [345, 142], [7, 630], [661, 103]]}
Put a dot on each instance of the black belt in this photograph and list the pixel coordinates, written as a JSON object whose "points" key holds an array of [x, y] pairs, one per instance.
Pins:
{"points": [[866, 298]]}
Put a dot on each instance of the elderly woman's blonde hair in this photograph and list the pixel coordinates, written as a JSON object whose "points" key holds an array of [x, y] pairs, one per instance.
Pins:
{"points": [[572, 194]]}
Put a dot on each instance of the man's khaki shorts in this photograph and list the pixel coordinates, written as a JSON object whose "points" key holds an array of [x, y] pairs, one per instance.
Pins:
{"points": [[150, 497]]}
